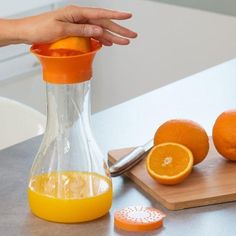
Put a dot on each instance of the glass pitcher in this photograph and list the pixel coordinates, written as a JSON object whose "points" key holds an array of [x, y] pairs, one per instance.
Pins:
{"points": [[69, 180]]}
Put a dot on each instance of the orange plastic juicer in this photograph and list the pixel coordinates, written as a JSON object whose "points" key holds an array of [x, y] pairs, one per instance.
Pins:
{"points": [[69, 180]]}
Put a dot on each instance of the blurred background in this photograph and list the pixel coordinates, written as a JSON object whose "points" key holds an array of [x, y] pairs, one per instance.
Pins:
{"points": [[174, 41]]}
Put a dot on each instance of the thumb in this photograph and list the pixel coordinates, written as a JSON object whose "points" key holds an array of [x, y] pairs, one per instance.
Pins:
{"points": [[83, 30]]}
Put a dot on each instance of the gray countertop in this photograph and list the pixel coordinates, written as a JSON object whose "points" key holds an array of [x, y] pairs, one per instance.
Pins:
{"points": [[16, 218], [200, 97]]}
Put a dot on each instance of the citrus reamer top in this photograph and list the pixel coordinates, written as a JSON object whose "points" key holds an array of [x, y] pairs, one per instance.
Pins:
{"points": [[66, 65]]}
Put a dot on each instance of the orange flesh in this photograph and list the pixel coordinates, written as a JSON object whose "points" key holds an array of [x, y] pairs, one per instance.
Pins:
{"points": [[169, 161]]}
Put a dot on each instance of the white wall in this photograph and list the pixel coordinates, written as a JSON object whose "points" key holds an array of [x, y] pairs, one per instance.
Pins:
{"points": [[220, 6], [173, 42], [15, 7]]}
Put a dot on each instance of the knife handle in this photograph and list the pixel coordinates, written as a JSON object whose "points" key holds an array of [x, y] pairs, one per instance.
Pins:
{"points": [[127, 162]]}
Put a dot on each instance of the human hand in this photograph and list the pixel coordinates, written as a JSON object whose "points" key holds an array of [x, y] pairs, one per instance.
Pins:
{"points": [[76, 21]]}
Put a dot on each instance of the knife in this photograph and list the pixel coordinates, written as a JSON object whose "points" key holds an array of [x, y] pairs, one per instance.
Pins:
{"points": [[130, 160]]}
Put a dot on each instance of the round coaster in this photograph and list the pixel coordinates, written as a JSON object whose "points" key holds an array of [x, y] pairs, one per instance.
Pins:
{"points": [[139, 218]]}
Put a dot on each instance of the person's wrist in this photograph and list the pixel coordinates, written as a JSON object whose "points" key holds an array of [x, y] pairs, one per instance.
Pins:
{"points": [[11, 32], [21, 32]]}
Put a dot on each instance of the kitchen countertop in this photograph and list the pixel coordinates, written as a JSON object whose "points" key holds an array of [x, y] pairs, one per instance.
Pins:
{"points": [[200, 97]]}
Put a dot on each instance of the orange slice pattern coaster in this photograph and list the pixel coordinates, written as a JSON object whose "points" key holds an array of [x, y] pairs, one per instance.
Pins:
{"points": [[139, 218]]}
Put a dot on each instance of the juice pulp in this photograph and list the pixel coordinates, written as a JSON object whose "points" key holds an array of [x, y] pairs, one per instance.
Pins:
{"points": [[70, 197]]}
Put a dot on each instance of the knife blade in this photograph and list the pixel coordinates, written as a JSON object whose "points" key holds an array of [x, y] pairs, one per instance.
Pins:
{"points": [[130, 160]]}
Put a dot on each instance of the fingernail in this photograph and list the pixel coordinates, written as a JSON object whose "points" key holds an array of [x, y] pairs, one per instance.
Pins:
{"points": [[135, 34]]}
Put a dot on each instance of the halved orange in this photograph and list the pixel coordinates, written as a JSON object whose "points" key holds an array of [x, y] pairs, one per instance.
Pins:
{"points": [[81, 44], [169, 163]]}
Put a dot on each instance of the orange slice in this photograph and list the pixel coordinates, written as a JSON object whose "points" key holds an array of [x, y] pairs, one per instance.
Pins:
{"points": [[169, 163], [81, 44], [139, 218]]}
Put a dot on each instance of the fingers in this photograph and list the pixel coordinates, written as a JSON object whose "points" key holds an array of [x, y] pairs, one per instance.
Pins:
{"points": [[108, 36], [95, 23], [83, 30], [99, 13], [115, 28], [87, 30], [109, 28], [104, 41]]}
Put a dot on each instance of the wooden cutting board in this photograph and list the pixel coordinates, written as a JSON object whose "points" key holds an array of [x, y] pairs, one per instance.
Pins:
{"points": [[212, 181]]}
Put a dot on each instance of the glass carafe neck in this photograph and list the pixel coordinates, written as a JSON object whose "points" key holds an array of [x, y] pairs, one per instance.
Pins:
{"points": [[67, 103]]}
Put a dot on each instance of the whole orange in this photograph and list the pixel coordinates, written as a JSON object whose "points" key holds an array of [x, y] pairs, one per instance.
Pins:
{"points": [[187, 133], [224, 134]]}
